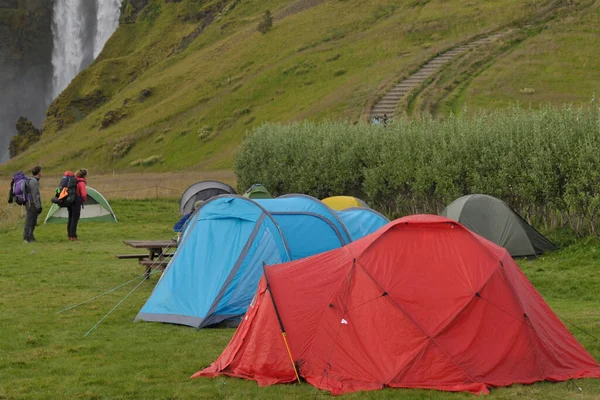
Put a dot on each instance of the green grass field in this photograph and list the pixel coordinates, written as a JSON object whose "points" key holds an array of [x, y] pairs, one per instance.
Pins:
{"points": [[45, 355]]}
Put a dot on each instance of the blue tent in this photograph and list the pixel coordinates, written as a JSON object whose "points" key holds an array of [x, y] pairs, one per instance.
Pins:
{"points": [[361, 221], [309, 226], [215, 271]]}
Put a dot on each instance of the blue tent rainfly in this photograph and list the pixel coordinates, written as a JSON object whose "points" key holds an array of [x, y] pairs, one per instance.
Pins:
{"points": [[214, 273]]}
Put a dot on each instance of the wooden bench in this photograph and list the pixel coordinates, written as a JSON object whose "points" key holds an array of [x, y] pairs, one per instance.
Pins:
{"points": [[139, 256], [149, 263], [157, 255], [153, 264], [131, 256]]}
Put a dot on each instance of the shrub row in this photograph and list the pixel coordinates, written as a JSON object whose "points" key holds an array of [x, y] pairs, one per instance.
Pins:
{"points": [[545, 163]]}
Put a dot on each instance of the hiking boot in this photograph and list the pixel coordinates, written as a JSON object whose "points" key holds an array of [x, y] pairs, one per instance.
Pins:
{"points": [[74, 239]]}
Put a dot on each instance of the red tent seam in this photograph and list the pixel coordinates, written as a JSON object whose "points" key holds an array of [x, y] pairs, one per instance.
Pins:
{"points": [[531, 328], [417, 326], [339, 327]]}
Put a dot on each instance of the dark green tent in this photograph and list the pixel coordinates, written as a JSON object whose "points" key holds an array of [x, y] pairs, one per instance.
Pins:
{"points": [[258, 191], [496, 221]]}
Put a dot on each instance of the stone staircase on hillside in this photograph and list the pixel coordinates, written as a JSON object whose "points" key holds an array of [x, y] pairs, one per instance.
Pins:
{"points": [[389, 102]]}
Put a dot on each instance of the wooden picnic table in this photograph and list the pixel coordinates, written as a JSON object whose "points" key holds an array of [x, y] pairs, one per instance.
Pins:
{"points": [[159, 253]]}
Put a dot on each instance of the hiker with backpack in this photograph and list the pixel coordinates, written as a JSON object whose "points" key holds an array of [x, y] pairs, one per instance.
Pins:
{"points": [[74, 208], [26, 192]]}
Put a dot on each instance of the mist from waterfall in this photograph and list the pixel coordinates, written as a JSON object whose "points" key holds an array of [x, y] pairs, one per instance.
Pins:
{"points": [[107, 21], [80, 29]]}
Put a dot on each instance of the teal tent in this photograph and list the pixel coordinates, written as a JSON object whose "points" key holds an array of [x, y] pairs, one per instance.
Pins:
{"points": [[257, 191], [96, 208], [214, 273]]}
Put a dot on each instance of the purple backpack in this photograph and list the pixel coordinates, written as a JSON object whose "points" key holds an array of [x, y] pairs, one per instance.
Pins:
{"points": [[20, 188]]}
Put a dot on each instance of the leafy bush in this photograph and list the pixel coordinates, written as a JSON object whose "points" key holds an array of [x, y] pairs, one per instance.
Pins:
{"points": [[241, 111], [204, 132], [266, 24], [527, 91], [121, 148], [146, 162], [544, 163]]}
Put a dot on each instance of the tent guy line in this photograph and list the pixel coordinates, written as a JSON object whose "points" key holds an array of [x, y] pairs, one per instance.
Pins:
{"points": [[155, 268], [115, 307], [102, 294]]}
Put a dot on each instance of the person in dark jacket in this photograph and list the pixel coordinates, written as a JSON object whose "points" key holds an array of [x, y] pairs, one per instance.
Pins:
{"points": [[179, 225], [75, 208], [33, 204]]}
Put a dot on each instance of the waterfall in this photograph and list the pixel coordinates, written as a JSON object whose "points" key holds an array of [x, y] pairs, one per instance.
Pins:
{"points": [[107, 22], [80, 28]]}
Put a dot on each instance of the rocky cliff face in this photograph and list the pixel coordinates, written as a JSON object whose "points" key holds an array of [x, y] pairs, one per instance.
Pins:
{"points": [[25, 64]]}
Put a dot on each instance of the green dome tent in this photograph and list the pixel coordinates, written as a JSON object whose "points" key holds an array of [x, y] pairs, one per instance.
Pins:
{"points": [[96, 208], [497, 222], [257, 191]]}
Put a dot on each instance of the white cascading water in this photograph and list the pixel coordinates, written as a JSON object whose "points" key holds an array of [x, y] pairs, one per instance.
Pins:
{"points": [[108, 12], [67, 54], [80, 29]]}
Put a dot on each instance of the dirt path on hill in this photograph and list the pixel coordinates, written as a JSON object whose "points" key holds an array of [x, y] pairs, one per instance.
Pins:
{"points": [[389, 102], [298, 6]]}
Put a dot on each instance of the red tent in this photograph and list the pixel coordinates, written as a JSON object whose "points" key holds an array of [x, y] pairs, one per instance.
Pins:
{"points": [[421, 303]]}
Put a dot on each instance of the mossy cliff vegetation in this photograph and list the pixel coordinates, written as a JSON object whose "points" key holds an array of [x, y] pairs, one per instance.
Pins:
{"points": [[27, 134], [181, 82]]}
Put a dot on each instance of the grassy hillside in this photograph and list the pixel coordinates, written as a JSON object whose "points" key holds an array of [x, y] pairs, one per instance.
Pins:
{"points": [[549, 58], [559, 64], [43, 353], [180, 86]]}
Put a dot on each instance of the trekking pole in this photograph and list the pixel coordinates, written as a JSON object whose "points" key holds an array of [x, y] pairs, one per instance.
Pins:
{"points": [[283, 334]]}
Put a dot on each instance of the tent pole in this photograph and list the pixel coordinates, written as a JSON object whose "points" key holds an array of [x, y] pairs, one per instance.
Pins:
{"points": [[283, 334]]}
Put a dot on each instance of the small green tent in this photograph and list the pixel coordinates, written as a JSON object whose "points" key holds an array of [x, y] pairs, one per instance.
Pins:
{"points": [[497, 222], [96, 208], [257, 191]]}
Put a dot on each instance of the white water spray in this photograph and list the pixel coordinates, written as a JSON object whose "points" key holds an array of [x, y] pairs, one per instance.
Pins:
{"points": [[67, 54], [80, 29], [108, 12]]}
